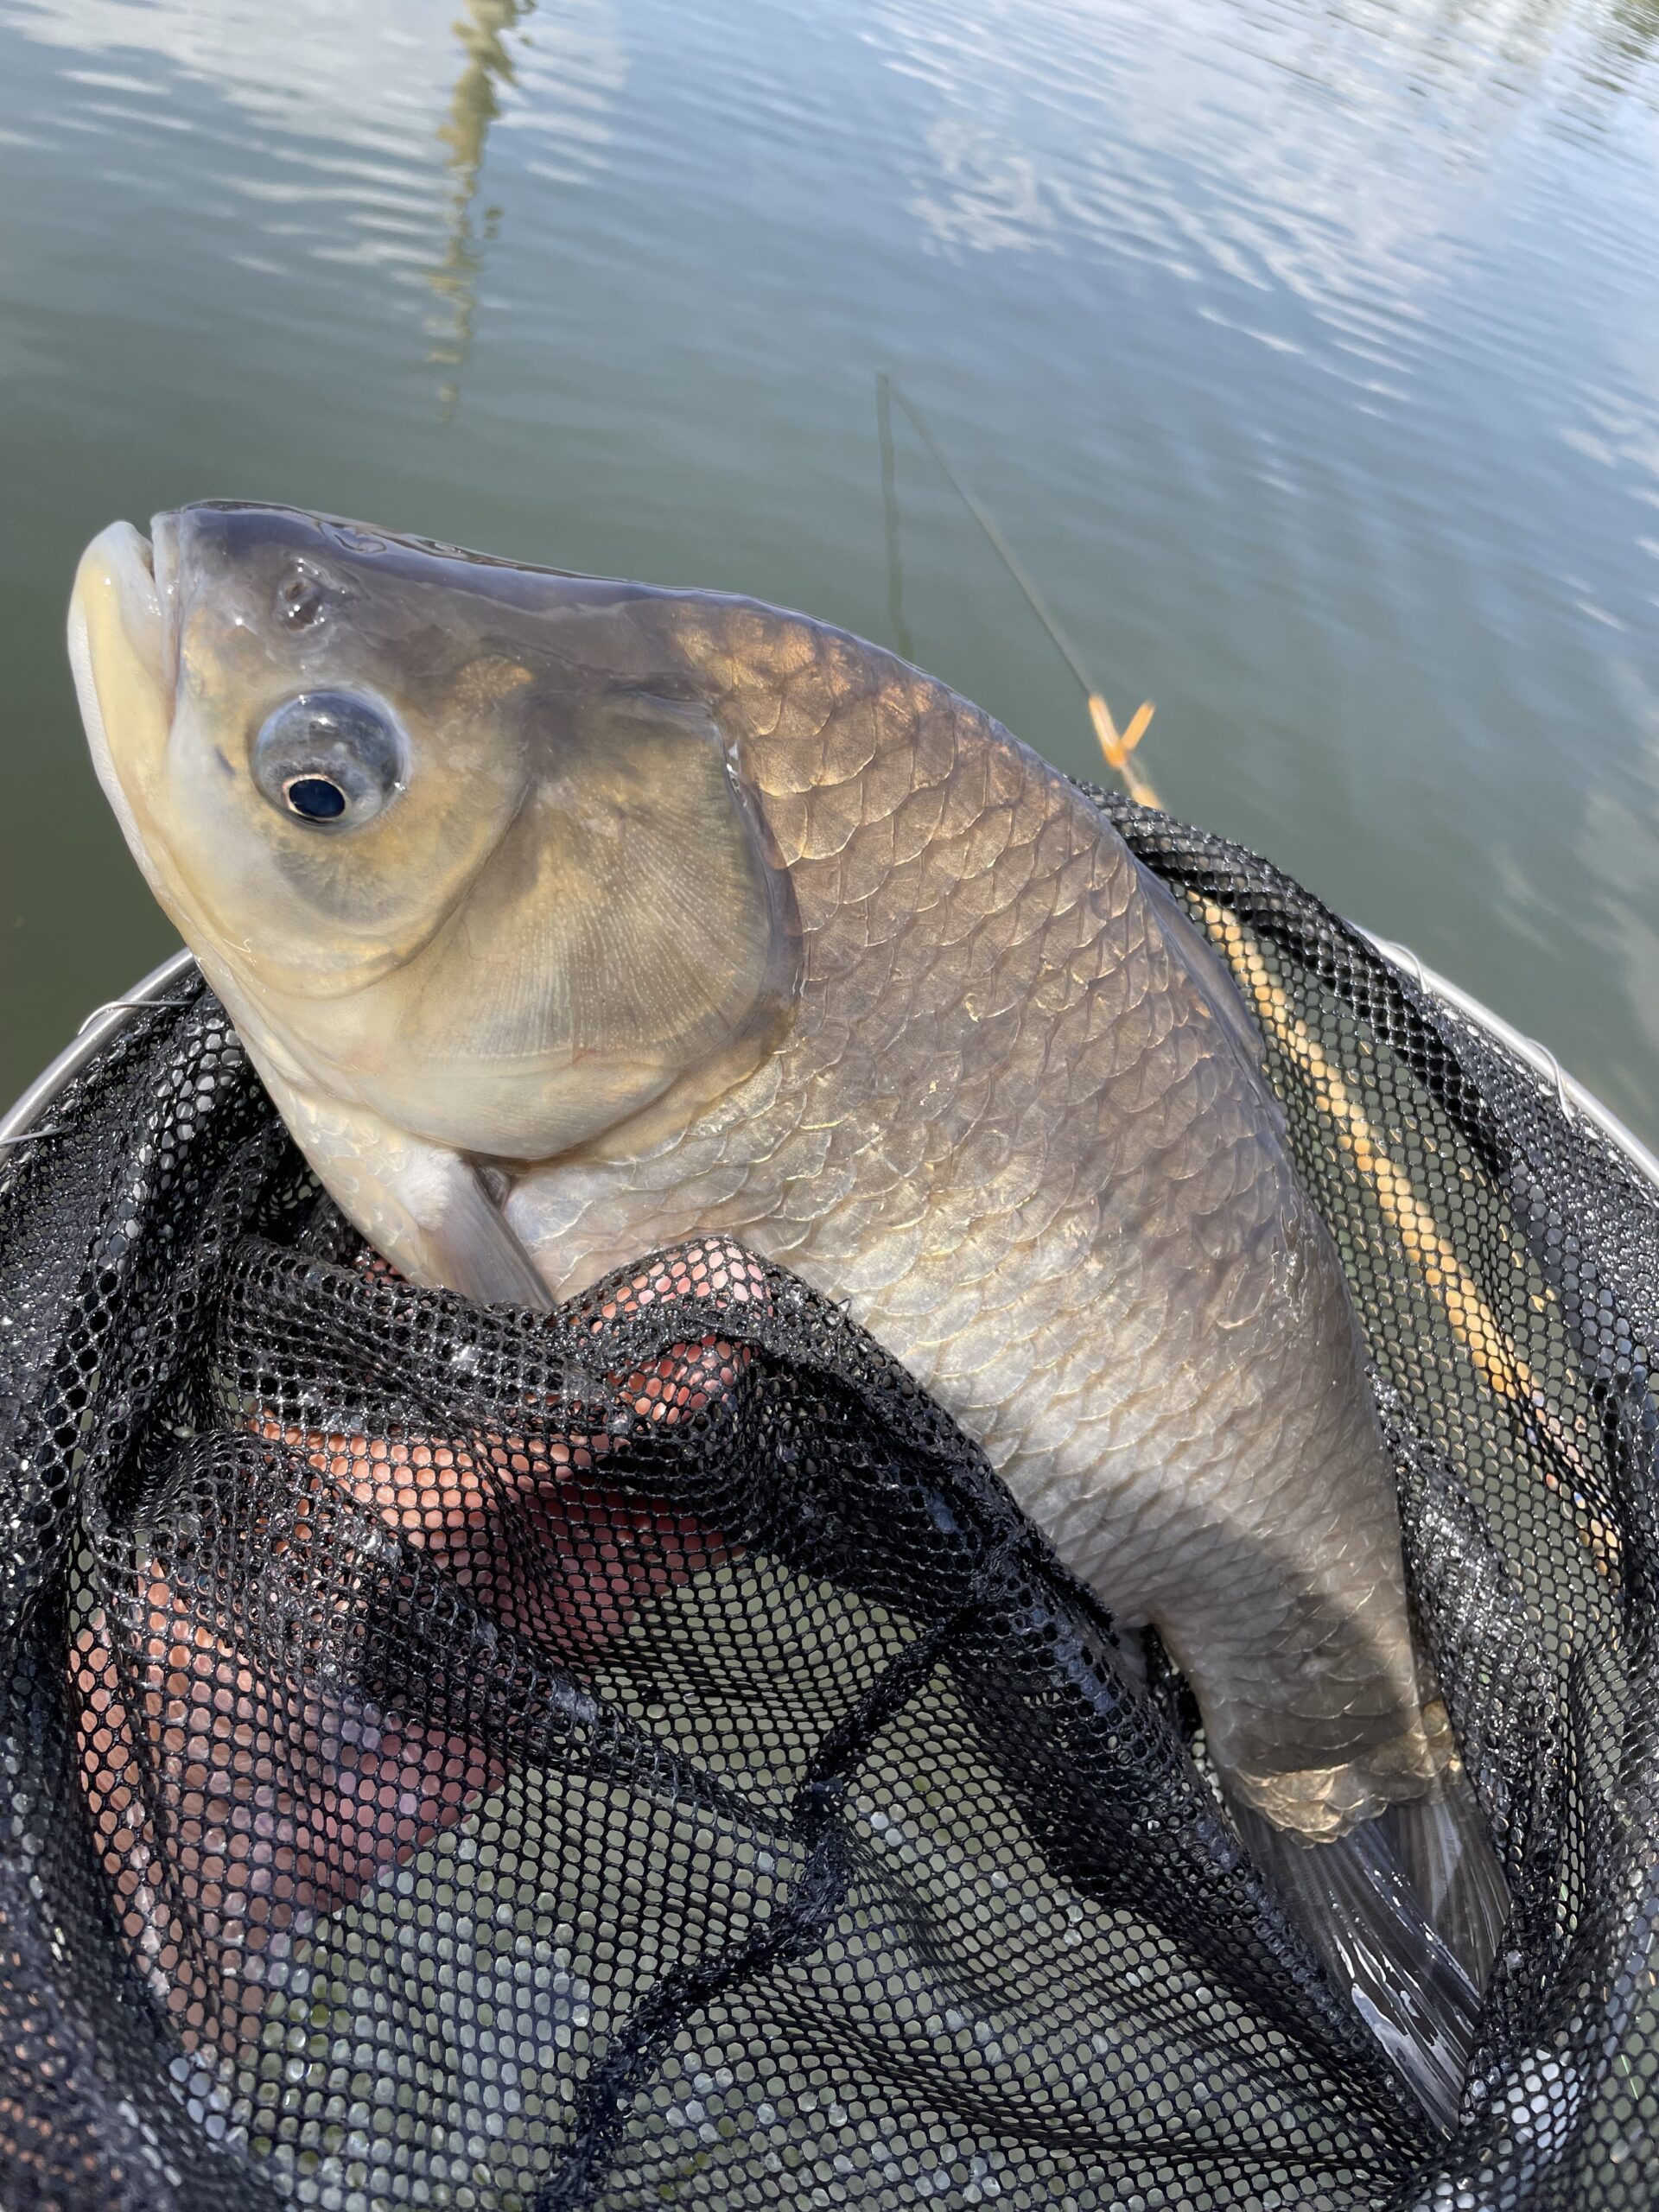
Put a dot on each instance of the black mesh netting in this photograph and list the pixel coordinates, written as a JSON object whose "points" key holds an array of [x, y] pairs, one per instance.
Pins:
{"points": [[466, 1759]]}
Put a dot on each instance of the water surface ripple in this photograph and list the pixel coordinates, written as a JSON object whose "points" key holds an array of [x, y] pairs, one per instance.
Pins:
{"points": [[1307, 352]]}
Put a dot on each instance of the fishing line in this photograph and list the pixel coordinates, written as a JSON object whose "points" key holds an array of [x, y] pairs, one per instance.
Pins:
{"points": [[1117, 746]]}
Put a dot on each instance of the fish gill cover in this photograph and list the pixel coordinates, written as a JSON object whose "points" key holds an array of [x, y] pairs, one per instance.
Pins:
{"points": [[640, 1755]]}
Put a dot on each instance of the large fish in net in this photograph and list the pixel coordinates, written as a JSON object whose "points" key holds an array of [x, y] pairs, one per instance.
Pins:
{"points": [[474, 1709]]}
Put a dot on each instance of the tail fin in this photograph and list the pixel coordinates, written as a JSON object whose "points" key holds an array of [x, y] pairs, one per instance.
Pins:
{"points": [[1441, 1844], [1406, 1911]]}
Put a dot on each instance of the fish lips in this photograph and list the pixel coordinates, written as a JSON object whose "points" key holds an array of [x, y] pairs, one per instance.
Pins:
{"points": [[124, 649], [133, 580]]}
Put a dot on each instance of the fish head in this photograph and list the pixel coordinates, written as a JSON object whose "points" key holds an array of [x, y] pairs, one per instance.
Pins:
{"points": [[465, 841]]}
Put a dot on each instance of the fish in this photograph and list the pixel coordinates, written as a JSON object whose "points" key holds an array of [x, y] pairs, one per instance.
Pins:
{"points": [[566, 918]]}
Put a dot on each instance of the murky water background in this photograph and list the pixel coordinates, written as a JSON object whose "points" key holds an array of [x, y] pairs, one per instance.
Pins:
{"points": [[1307, 353]]}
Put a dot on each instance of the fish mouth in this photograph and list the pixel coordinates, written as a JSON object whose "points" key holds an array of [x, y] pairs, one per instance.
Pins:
{"points": [[161, 553], [133, 580], [142, 575], [123, 646], [144, 572]]}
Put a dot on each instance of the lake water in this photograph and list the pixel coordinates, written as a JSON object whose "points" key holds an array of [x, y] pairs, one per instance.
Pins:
{"points": [[1307, 354]]}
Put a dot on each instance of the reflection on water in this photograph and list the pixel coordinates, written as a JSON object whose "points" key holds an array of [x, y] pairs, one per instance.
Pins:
{"points": [[1631, 29], [559, 82], [348, 105], [1260, 153], [1307, 350], [483, 33]]}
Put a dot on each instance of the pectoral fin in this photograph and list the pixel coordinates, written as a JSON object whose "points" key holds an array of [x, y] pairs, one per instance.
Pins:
{"points": [[420, 1205]]}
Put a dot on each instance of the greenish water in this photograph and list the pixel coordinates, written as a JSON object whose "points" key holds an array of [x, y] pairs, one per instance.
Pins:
{"points": [[1307, 352]]}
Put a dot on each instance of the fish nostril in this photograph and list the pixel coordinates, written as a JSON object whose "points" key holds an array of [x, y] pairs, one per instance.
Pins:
{"points": [[299, 602]]}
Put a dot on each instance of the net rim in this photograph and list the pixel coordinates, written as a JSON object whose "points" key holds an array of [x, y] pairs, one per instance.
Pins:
{"points": [[1573, 1096], [99, 1025], [22, 1118]]}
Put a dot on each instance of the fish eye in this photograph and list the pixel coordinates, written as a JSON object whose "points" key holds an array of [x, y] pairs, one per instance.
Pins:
{"points": [[333, 759]]}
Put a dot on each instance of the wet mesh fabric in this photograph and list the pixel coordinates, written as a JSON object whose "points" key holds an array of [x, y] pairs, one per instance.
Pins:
{"points": [[640, 1757]]}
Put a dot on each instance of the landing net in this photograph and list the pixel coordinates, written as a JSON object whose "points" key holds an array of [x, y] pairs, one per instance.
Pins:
{"points": [[640, 1756]]}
